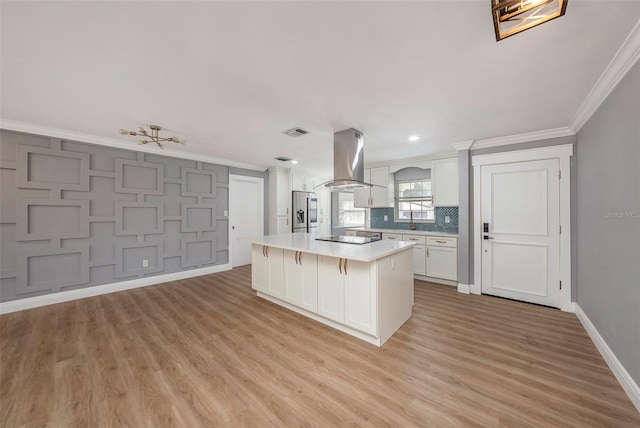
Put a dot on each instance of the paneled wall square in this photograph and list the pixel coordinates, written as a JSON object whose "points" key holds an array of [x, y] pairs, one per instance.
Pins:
{"points": [[198, 217], [198, 182], [138, 218], [198, 252], [41, 168], [139, 177], [39, 270], [40, 219], [130, 256]]}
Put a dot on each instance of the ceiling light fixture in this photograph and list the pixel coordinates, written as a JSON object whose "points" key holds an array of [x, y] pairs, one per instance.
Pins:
{"points": [[295, 162], [514, 16], [414, 138], [153, 136]]}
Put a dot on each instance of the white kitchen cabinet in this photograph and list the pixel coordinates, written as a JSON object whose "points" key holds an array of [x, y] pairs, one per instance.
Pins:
{"points": [[376, 196], [346, 293], [267, 270], [282, 224], [302, 183], [444, 182], [301, 279], [419, 253], [359, 296], [279, 201], [330, 288], [442, 258]]}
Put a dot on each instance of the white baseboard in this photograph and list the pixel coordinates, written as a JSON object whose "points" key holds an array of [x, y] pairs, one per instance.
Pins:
{"points": [[65, 296], [623, 376], [463, 288], [475, 289]]}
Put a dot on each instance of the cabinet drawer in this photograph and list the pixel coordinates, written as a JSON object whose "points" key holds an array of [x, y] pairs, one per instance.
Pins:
{"points": [[350, 233], [440, 241], [392, 236], [419, 240]]}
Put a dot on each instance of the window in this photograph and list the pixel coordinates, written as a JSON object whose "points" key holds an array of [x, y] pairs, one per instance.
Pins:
{"points": [[348, 215], [414, 200]]}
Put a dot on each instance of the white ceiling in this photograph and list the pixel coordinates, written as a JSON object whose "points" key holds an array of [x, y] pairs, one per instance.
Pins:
{"points": [[230, 76]]}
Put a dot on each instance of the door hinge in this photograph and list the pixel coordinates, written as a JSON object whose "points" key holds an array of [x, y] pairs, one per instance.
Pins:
{"points": [[560, 285], [560, 175], [560, 229]]}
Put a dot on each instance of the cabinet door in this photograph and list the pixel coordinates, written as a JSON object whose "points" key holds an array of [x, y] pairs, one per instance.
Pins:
{"points": [[419, 260], [359, 297], [442, 262], [308, 268], [259, 268], [380, 195], [444, 182], [275, 260], [282, 225], [330, 289], [362, 197], [301, 280], [283, 195], [297, 182]]}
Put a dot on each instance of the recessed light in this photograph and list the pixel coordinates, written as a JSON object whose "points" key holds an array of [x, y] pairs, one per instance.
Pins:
{"points": [[295, 162], [414, 138]]}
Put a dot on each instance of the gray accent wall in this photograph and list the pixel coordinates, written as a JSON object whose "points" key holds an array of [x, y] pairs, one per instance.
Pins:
{"points": [[608, 221], [76, 215]]}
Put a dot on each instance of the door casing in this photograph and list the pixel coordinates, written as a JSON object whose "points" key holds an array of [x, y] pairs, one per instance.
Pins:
{"points": [[561, 152]]}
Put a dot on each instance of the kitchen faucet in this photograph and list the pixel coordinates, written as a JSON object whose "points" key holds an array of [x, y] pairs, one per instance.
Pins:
{"points": [[412, 225]]}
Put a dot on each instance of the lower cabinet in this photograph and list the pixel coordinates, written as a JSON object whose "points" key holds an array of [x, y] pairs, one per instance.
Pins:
{"points": [[267, 265], [419, 253], [301, 279], [442, 258], [347, 293]]}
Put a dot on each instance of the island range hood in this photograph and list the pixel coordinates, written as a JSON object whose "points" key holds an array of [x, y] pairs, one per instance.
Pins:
{"points": [[348, 161]]}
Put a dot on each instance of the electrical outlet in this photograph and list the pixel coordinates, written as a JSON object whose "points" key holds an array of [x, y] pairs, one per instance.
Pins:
{"points": [[386, 217], [145, 263], [225, 213], [447, 219]]}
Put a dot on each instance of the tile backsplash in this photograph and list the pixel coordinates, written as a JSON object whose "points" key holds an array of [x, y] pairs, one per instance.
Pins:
{"points": [[377, 220]]}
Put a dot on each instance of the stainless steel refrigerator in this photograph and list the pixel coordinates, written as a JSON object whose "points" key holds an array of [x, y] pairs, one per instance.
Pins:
{"points": [[305, 212]]}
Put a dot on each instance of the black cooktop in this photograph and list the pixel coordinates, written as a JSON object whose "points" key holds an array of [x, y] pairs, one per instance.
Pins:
{"points": [[344, 239]]}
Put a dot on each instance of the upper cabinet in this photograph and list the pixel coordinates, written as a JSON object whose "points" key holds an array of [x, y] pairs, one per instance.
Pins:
{"points": [[444, 182], [302, 183], [378, 195]]}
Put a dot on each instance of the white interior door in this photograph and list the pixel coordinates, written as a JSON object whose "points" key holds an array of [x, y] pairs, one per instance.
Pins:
{"points": [[246, 216], [520, 223]]}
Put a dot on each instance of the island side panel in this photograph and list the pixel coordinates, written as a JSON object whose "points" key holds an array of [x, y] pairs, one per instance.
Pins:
{"points": [[395, 292]]}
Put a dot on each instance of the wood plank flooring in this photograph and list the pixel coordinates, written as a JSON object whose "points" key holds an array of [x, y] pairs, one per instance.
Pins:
{"points": [[207, 352]]}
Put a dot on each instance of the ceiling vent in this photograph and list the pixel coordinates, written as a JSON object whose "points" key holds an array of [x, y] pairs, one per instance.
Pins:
{"points": [[283, 159], [295, 132]]}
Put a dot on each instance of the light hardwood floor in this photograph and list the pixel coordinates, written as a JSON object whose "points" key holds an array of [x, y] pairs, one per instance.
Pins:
{"points": [[208, 352]]}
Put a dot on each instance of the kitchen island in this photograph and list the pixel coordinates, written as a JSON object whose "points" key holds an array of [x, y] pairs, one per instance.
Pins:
{"points": [[363, 290]]}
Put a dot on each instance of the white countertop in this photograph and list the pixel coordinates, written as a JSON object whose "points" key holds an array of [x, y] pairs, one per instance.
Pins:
{"points": [[306, 243], [406, 232]]}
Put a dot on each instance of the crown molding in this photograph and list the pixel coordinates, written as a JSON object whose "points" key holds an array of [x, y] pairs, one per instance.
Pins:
{"points": [[523, 138], [465, 145], [620, 64], [413, 160], [28, 128]]}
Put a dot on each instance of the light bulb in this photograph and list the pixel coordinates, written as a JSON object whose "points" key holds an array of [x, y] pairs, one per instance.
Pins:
{"points": [[414, 138], [124, 132]]}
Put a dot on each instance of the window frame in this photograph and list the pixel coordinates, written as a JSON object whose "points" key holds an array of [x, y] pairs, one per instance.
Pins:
{"points": [[398, 199], [354, 209]]}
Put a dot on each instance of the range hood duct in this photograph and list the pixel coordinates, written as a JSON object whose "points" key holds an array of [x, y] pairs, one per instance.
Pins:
{"points": [[348, 161]]}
